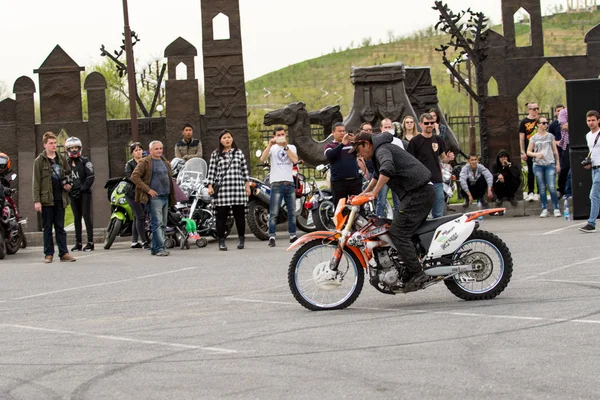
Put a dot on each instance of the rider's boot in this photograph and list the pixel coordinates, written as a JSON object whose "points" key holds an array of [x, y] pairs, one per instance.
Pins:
{"points": [[413, 280]]}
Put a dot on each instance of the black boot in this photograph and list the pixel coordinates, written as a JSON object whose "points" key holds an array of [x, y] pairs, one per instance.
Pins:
{"points": [[222, 245], [241, 242], [89, 246], [77, 247], [414, 280]]}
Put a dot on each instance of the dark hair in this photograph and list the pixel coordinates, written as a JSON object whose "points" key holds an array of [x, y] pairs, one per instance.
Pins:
{"points": [[426, 116], [334, 127], [593, 113], [473, 155], [559, 106], [134, 146], [277, 129], [362, 126], [187, 126], [437, 114], [220, 148]]}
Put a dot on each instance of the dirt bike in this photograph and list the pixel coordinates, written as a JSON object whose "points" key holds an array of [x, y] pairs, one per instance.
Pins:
{"points": [[12, 236], [327, 271]]}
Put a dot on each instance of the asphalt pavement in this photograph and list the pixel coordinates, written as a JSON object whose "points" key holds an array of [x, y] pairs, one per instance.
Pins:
{"points": [[121, 324]]}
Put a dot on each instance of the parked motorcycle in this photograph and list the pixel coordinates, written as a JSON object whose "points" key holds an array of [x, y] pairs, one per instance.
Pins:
{"points": [[121, 218], [326, 272], [199, 206], [260, 198], [320, 203], [12, 236]]}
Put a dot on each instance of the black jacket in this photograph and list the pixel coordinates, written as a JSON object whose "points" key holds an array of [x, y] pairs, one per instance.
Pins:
{"points": [[82, 174], [510, 172], [406, 173], [129, 167]]}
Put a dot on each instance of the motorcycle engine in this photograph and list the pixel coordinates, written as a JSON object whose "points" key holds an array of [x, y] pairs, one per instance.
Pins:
{"points": [[385, 277]]}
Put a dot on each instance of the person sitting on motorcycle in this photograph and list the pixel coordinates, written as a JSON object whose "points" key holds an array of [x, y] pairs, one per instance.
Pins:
{"points": [[475, 181], [410, 181]]}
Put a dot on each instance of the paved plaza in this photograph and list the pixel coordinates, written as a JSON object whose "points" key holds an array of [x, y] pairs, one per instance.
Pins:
{"points": [[121, 324]]}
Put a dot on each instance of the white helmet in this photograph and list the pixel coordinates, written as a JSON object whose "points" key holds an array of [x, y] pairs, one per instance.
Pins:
{"points": [[177, 165], [73, 147]]}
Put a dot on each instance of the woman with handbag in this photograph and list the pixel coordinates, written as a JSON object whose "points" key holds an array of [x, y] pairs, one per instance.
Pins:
{"points": [[229, 184]]}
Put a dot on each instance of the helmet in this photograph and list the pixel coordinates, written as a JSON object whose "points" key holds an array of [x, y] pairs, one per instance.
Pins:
{"points": [[177, 165], [73, 147], [4, 163]]}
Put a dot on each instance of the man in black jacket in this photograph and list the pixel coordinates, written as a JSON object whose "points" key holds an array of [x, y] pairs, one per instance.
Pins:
{"points": [[410, 181], [507, 178], [82, 174]]}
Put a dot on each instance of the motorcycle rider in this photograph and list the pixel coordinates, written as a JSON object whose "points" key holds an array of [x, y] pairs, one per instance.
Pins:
{"points": [[82, 174], [410, 181]]}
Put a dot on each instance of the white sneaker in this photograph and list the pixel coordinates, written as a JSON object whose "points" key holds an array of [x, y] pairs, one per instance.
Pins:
{"points": [[544, 213], [536, 197], [557, 213], [529, 197]]}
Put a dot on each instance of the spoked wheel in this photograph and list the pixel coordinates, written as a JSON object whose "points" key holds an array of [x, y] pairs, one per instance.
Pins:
{"points": [[323, 216], [315, 286], [493, 262]]}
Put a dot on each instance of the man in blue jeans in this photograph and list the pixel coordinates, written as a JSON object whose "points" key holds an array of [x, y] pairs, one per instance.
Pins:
{"points": [[430, 149], [154, 186], [592, 140], [282, 157]]}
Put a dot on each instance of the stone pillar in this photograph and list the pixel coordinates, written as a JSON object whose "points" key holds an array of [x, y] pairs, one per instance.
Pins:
{"points": [[95, 85], [183, 99], [29, 148], [225, 92]]}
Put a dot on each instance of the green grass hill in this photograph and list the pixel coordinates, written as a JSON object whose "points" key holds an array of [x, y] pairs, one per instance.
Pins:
{"points": [[563, 35]]}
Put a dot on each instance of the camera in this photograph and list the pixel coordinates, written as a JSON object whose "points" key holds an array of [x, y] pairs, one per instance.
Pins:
{"points": [[67, 180], [586, 161]]}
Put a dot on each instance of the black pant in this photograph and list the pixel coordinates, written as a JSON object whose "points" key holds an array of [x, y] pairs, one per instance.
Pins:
{"points": [[81, 207], [413, 210], [530, 176], [345, 187], [477, 189], [239, 214], [508, 188], [54, 216], [565, 167], [138, 229]]}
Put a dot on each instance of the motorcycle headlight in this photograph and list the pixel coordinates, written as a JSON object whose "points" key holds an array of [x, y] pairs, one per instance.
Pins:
{"points": [[122, 201]]}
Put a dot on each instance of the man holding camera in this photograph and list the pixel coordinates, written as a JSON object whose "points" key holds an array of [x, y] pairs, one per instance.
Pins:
{"points": [[51, 183], [282, 157], [592, 161]]}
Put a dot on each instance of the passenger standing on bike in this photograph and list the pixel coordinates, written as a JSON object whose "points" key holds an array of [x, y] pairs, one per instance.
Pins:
{"points": [[282, 158], [82, 174], [345, 179], [138, 229], [410, 180], [229, 184]]}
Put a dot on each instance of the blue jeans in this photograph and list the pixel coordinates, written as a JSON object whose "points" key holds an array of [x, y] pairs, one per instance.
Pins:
{"points": [[546, 179], [438, 205], [568, 187], [595, 197], [382, 201], [287, 192], [159, 211]]}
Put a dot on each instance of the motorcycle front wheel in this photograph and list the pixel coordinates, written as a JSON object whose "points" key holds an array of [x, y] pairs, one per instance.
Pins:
{"points": [[13, 244], [114, 227], [23, 237], [258, 219], [2, 245], [310, 286], [305, 221], [494, 263]]}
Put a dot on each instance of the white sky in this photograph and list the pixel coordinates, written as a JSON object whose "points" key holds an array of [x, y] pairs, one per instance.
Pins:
{"points": [[276, 33]]}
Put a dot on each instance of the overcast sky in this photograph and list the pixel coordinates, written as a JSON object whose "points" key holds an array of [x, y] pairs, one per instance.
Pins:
{"points": [[276, 33]]}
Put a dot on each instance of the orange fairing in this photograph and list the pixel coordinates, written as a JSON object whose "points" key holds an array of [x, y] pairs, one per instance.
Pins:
{"points": [[324, 235], [339, 219], [360, 200], [476, 214]]}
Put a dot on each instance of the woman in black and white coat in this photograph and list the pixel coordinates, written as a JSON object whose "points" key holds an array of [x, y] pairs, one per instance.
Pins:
{"points": [[228, 177]]}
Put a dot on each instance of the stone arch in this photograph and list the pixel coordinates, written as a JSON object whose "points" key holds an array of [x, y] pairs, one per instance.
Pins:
{"points": [[492, 87], [181, 71], [221, 27], [24, 84]]}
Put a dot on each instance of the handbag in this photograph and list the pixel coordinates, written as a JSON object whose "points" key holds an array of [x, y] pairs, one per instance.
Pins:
{"points": [[217, 186]]}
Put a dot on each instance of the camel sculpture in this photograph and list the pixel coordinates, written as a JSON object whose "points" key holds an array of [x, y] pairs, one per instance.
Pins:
{"points": [[326, 117], [296, 117]]}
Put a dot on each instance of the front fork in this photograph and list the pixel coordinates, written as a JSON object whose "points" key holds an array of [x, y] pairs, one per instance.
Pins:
{"points": [[346, 232]]}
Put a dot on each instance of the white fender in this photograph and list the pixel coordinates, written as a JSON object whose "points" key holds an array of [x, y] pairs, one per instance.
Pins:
{"points": [[450, 236]]}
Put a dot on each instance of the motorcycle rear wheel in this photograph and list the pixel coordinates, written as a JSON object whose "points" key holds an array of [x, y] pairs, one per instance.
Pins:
{"points": [[114, 227], [13, 244], [493, 257], [2, 245], [258, 219], [317, 296], [302, 221]]}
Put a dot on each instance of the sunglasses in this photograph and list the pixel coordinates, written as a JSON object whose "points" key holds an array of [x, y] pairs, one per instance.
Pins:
{"points": [[544, 123], [428, 123], [535, 109]]}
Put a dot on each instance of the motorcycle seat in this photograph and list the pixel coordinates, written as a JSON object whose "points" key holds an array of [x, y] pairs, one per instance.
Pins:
{"points": [[432, 224]]}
